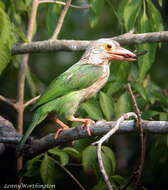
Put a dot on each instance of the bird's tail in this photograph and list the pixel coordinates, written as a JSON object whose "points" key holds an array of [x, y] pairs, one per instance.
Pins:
{"points": [[38, 117]]}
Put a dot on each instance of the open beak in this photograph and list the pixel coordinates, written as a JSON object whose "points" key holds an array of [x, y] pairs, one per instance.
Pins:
{"points": [[122, 54]]}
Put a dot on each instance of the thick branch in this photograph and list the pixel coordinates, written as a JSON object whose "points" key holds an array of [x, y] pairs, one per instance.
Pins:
{"points": [[8, 134], [102, 127], [78, 45]]}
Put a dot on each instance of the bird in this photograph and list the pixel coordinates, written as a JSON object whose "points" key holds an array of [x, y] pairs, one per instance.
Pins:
{"points": [[77, 84]]}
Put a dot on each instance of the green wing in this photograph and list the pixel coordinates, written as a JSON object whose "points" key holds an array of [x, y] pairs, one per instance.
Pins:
{"points": [[77, 77]]}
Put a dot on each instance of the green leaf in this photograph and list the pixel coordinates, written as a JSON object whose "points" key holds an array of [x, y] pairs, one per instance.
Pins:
{"points": [[107, 105], [140, 89], [72, 152], [93, 19], [2, 5], [63, 156], [145, 23], [48, 170], [81, 144], [97, 6], [121, 7], [145, 62], [123, 104], [118, 179], [109, 155], [114, 87], [131, 12], [6, 40], [120, 71], [19, 31], [149, 114], [53, 12], [163, 116], [95, 12], [32, 166], [100, 185], [89, 158], [123, 72], [92, 109], [155, 16], [160, 97]]}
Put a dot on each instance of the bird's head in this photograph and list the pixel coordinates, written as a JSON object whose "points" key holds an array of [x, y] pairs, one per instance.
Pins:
{"points": [[104, 50]]}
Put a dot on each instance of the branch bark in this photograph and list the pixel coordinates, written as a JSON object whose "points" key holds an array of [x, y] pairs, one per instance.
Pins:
{"points": [[102, 127], [80, 45], [38, 146]]}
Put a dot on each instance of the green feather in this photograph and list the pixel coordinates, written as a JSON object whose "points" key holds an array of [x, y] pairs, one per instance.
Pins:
{"points": [[77, 77]]}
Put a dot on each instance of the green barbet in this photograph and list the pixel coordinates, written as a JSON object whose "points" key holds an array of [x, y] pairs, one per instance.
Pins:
{"points": [[79, 83]]}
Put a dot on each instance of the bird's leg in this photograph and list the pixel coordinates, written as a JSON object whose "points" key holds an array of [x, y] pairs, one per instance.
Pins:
{"points": [[86, 123], [62, 125]]}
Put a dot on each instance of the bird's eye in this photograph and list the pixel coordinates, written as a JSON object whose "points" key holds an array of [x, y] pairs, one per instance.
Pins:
{"points": [[109, 46]]}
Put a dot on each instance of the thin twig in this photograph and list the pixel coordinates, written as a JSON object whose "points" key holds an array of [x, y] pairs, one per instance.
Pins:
{"points": [[61, 20], [69, 173], [10, 102], [142, 142], [106, 137], [63, 3], [31, 101]]}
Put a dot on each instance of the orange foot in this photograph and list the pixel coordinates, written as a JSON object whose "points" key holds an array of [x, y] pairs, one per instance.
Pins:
{"points": [[86, 123], [62, 125]]}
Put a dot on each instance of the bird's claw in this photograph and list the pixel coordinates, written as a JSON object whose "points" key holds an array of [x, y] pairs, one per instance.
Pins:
{"points": [[59, 131], [87, 124]]}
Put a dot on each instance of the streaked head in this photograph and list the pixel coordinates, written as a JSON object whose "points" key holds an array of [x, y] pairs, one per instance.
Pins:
{"points": [[108, 49]]}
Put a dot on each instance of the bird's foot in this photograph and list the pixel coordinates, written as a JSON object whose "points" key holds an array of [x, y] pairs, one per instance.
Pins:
{"points": [[62, 125], [87, 124], [59, 131]]}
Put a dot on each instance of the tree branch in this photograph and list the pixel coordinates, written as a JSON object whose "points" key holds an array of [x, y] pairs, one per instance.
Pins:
{"points": [[79, 45], [138, 171], [31, 101], [22, 76], [10, 102], [38, 146], [100, 128], [61, 20], [63, 3]]}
